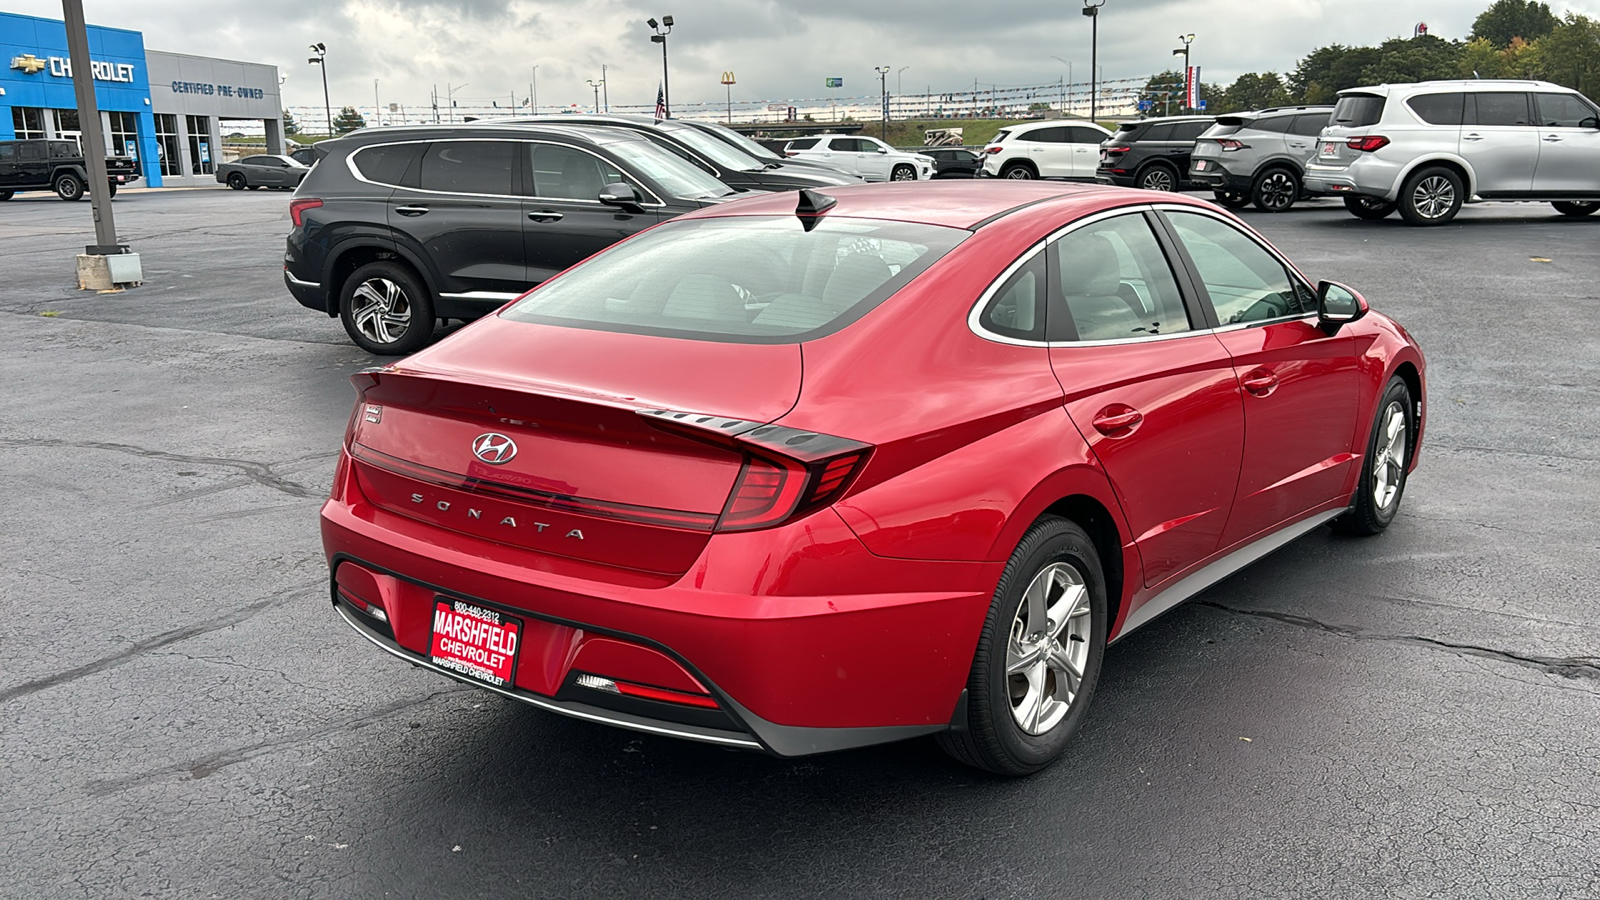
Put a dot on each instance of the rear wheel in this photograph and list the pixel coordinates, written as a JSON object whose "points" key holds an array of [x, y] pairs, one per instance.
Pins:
{"points": [[386, 310], [1383, 472], [253, 187], [1369, 208], [1275, 190], [236, 181], [1576, 208], [1232, 199], [111, 188], [903, 173], [1432, 196], [7, 195], [1038, 658], [1157, 178], [69, 187], [1018, 171]]}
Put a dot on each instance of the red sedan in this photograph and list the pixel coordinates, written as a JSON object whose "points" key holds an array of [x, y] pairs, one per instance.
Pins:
{"points": [[892, 462]]}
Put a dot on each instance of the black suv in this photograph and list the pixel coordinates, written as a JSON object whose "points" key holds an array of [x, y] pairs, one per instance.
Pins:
{"points": [[951, 162], [733, 166], [45, 165], [1151, 153], [397, 228]]}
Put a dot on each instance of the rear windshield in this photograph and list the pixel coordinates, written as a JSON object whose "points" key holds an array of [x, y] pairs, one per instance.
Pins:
{"points": [[759, 280], [1225, 125], [1127, 128], [1358, 110]]}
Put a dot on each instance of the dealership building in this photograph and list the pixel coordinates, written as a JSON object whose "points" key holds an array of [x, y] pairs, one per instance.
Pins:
{"points": [[168, 110]]}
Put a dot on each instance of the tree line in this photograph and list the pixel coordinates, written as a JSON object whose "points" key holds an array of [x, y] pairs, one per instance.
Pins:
{"points": [[1510, 39]]}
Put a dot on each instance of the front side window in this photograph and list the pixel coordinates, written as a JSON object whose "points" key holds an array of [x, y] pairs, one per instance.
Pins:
{"points": [[8, 153], [1116, 281], [469, 167], [1243, 281], [740, 279], [1078, 134], [565, 173], [1498, 108], [1564, 111], [1188, 131]]}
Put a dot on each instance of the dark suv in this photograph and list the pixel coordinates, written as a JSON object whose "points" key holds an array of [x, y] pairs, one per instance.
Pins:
{"points": [[1151, 153], [397, 228], [45, 165]]}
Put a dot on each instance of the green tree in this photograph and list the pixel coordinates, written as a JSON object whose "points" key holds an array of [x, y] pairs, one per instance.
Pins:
{"points": [[1403, 60], [1507, 19], [1328, 70], [348, 120], [1570, 55], [1254, 90], [290, 126], [1164, 93]]}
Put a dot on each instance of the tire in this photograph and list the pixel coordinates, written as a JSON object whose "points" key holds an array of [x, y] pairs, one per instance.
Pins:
{"points": [[69, 187], [1431, 196], [253, 187], [386, 310], [1577, 209], [1370, 208], [1018, 171], [903, 173], [1383, 471], [7, 195], [1058, 556], [236, 181], [1232, 199], [112, 186], [1275, 190], [1157, 178]]}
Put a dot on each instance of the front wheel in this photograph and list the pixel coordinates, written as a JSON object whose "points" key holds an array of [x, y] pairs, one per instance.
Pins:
{"points": [[1275, 191], [1232, 199], [236, 181], [1432, 196], [1039, 655], [1369, 208], [112, 186], [7, 195], [386, 310], [1158, 178], [69, 187], [1576, 208], [1383, 472], [903, 173]]}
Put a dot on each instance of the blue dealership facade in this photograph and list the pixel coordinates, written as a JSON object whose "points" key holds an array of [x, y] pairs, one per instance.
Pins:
{"points": [[165, 109]]}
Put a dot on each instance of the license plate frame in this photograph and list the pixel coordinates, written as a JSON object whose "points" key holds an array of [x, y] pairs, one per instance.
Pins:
{"points": [[469, 639], [1330, 148]]}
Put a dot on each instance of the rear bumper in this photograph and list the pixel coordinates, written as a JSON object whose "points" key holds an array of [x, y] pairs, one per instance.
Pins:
{"points": [[794, 669], [1368, 176], [1106, 176], [1215, 177], [309, 294]]}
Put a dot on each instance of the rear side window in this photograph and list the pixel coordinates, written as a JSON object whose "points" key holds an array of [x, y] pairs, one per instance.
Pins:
{"points": [[1078, 134], [1189, 131], [1116, 282], [1057, 135], [1358, 110], [1274, 124], [741, 279], [1017, 309], [1564, 111], [844, 145], [1497, 109], [387, 163], [1155, 133], [30, 151], [1438, 109], [63, 149], [803, 144], [469, 167], [1309, 125]]}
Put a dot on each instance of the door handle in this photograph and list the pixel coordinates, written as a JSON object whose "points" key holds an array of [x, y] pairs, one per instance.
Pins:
{"points": [[1260, 382], [1472, 137], [1118, 421], [411, 210], [1552, 138], [545, 215]]}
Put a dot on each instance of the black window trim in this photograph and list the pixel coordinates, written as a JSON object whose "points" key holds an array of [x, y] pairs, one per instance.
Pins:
{"points": [[1207, 307], [652, 201]]}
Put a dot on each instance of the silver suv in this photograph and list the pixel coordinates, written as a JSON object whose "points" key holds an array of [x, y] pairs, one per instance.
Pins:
{"points": [[1427, 148], [1258, 157]]}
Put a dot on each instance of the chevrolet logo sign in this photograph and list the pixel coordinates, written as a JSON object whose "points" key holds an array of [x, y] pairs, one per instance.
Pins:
{"points": [[28, 63]]}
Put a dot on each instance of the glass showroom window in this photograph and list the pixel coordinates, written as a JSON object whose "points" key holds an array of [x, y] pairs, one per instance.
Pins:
{"points": [[167, 144], [28, 122], [124, 134], [67, 125], [200, 144]]}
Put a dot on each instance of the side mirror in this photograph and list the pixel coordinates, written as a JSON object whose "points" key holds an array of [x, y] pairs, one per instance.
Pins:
{"points": [[883, 149], [625, 197], [1338, 305], [1591, 122]]}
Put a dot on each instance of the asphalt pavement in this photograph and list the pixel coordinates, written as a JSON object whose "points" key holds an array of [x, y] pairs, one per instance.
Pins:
{"points": [[183, 715]]}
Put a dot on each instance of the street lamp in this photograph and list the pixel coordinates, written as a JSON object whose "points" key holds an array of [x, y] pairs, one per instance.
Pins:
{"points": [[1067, 91], [660, 37], [596, 85], [320, 60], [1184, 52], [900, 86], [533, 92], [1092, 10], [883, 94]]}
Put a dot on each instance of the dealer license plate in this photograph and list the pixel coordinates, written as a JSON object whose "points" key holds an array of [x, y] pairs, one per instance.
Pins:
{"points": [[477, 642], [1329, 148], [1200, 166]]}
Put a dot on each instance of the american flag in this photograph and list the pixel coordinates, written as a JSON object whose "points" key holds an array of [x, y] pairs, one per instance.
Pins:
{"points": [[661, 102]]}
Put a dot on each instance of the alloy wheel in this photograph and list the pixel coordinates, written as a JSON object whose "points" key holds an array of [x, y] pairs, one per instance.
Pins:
{"points": [[1278, 191], [1048, 650], [1157, 179], [904, 173], [380, 310], [1433, 197], [1389, 462], [1019, 173]]}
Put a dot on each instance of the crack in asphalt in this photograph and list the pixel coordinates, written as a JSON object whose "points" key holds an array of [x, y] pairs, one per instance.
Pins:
{"points": [[164, 639], [260, 473], [1565, 666], [212, 763]]}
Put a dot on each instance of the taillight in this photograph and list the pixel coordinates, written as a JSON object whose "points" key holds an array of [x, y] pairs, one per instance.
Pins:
{"points": [[791, 153], [787, 472], [1367, 143], [1117, 149], [995, 149], [297, 208], [1230, 144]]}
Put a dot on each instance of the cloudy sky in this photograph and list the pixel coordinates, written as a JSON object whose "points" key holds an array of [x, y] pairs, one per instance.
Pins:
{"points": [[777, 50]]}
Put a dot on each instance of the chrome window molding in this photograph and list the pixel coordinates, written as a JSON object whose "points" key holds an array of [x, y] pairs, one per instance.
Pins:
{"points": [[655, 201]]}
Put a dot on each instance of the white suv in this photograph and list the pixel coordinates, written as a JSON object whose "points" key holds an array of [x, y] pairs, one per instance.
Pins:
{"points": [[1427, 148], [868, 157], [1045, 150]]}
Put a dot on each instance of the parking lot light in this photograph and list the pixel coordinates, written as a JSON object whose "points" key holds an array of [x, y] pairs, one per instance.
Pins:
{"points": [[1092, 10], [321, 60], [883, 96], [662, 29]]}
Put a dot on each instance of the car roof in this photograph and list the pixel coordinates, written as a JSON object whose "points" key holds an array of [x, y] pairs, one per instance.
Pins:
{"points": [[952, 204], [592, 134], [1476, 84], [1162, 120]]}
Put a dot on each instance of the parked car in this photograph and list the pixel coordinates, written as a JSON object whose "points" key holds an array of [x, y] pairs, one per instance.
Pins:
{"points": [[950, 162], [1259, 157], [868, 157], [1051, 149], [36, 164], [1151, 153], [730, 165], [624, 498], [400, 227], [1427, 148], [263, 170], [767, 151]]}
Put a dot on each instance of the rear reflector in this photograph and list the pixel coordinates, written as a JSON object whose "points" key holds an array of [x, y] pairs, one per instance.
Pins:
{"points": [[644, 692], [1367, 143], [297, 209]]}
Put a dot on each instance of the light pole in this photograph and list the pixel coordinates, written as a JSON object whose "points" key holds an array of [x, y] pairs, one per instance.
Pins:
{"points": [[605, 92], [900, 86], [1184, 52], [729, 82], [377, 110], [596, 85], [450, 98], [1092, 10], [660, 37], [883, 94], [533, 91], [1067, 91], [320, 60]]}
